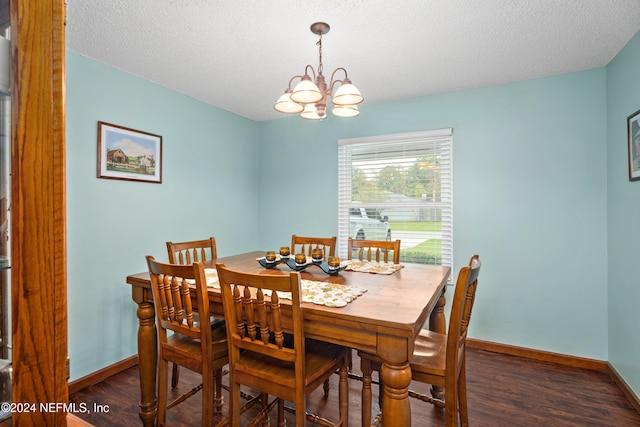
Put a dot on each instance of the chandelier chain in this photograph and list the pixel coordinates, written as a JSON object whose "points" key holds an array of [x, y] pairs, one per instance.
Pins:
{"points": [[320, 53]]}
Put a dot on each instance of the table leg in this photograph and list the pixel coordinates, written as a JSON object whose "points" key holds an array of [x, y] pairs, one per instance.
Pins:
{"points": [[147, 362], [365, 366], [438, 323], [395, 374], [396, 409]]}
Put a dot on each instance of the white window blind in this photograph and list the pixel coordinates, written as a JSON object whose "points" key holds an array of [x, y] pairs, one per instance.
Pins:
{"points": [[398, 187]]}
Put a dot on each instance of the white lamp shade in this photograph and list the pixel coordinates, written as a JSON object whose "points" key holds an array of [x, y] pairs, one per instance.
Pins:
{"points": [[347, 94], [306, 92], [311, 113], [345, 110], [286, 105]]}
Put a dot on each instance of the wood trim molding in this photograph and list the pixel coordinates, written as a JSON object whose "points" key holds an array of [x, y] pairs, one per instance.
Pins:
{"points": [[622, 385], [545, 356], [102, 374], [38, 210]]}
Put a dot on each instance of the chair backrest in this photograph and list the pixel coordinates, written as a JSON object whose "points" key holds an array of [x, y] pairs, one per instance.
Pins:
{"points": [[252, 310], [304, 245], [190, 252], [367, 249], [463, 298], [173, 287]]}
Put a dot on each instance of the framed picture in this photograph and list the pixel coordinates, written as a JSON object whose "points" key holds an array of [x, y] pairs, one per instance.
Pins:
{"points": [[129, 154], [633, 130]]}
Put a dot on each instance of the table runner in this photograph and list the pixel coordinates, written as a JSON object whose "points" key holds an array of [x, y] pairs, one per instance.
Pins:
{"points": [[321, 293]]}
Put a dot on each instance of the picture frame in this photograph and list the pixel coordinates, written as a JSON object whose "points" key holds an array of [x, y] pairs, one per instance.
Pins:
{"points": [[633, 145], [129, 154]]}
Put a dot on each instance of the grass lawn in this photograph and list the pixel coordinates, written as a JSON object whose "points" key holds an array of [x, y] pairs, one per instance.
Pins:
{"points": [[427, 252]]}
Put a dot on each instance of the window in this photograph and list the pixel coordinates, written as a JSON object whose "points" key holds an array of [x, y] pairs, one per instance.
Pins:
{"points": [[398, 187]]}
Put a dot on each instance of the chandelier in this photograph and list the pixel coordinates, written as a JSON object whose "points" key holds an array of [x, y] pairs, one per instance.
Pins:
{"points": [[309, 97]]}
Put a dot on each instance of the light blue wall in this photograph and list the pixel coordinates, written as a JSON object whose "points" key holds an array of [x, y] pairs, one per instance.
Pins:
{"points": [[623, 99], [530, 188], [529, 191], [208, 188]]}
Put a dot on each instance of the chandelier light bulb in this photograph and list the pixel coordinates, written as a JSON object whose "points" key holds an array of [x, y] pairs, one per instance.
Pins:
{"points": [[345, 110], [306, 91], [347, 94], [311, 113], [286, 105]]}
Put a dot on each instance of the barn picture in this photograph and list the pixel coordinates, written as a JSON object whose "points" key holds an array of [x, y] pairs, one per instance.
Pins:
{"points": [[116, 156]]}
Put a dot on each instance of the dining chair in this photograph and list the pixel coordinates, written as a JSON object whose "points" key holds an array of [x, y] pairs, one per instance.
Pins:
{"points": [[371, 250], [266, 357], [305, 245], [182, 340], [438, 359], [193, 251], [188, 253]]}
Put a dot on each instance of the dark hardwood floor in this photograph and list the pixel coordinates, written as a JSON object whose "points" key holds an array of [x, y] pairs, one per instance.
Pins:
{"points": [[502, 390]]}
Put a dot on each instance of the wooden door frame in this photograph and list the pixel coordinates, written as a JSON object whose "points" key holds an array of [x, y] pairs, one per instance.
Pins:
{"points": [[38, 211]]}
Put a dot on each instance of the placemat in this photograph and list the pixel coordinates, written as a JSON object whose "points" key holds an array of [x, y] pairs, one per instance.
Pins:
{"points": [[212, 278], [323, 293], [372, 267]]}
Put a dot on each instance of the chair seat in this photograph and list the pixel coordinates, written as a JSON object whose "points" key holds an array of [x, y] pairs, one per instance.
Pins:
{"points": [[188, 352], [216, 322], [321, 360], [429, 353]]}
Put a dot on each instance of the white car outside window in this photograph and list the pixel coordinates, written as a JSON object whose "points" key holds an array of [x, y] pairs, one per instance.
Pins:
{"points": [[368, 224]]}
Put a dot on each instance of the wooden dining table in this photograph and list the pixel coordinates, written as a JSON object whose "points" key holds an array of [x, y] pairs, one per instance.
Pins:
{"points": [[384, 320]]}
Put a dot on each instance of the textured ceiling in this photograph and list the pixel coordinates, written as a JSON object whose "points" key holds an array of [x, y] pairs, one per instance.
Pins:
{"points": [[239, 54]]}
